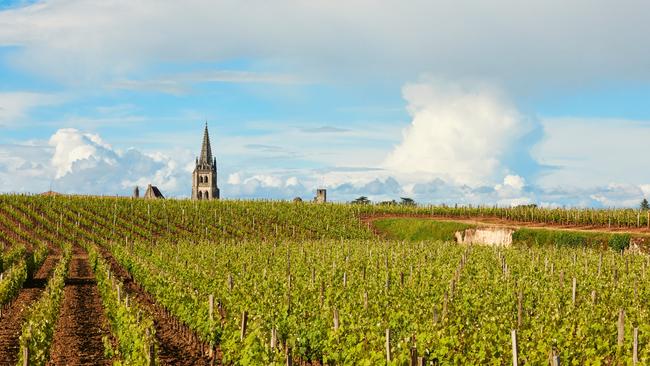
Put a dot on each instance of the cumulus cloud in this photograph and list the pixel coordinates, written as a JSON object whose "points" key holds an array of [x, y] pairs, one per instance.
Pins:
{"points": [[73, 161], [72, 146], [459, 134], [84, 163], [273, 186]]}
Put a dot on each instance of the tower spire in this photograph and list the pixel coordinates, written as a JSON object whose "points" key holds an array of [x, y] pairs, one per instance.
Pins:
{"points": [[206, 150]]}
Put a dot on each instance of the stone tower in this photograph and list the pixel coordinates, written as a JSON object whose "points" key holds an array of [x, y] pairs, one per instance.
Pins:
{"points": [[321, 196], [204, 177]]}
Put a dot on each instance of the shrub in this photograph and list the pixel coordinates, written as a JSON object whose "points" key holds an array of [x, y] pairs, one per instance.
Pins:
{"points": [[619, 242]]}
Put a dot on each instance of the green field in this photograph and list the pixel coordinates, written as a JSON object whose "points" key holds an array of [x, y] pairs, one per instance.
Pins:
{"points": [[419, 229], [315, 282]]}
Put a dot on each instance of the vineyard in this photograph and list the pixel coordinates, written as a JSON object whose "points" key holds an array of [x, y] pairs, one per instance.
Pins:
{"points": [[262, 282]]}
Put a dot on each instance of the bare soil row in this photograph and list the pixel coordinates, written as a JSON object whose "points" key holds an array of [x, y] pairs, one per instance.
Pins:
{"points": [[177, 344], [13, 315], [82, 323]]}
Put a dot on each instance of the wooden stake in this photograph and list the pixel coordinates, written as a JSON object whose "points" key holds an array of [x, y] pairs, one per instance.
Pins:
{"points": [[444, 306], [336, 319], [513, 334], [573, 291], [555, 360], [322, 293], [621, 327], [593, 297], [244, 320], [365, 299], [635, 347], [25, 356], [211, 304], [520, 300], [274, 338], [414, 356], [388, 345], [287, 354], [600, 263]]}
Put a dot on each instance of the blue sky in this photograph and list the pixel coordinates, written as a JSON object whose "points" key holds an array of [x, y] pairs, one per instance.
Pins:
{"points": [[441, 101]]}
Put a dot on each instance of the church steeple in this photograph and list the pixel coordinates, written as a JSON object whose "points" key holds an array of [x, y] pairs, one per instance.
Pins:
{"points": [[206, 151], [204, 176]]}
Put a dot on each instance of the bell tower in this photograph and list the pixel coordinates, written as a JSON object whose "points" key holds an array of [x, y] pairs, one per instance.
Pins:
{"points": [[204, 176]]}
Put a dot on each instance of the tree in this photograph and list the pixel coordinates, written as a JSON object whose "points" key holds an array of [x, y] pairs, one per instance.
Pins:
{"points": [[407, 201], [388, 203], [363, 200], [645, 205]]}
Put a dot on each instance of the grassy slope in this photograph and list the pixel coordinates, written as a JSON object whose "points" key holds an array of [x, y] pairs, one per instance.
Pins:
{"points": [[414, 229], [417, 229]]}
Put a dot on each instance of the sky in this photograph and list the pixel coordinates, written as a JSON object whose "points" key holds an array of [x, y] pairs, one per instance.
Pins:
{"points": [[497, 102]]}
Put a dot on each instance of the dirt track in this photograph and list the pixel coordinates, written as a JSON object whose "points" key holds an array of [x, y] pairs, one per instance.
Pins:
{"points": [[13, 315], [82, 322], [496, 222], [176, 346]]}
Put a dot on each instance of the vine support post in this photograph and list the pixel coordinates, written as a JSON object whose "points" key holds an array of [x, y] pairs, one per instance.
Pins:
{"points": [[288, 356], [274, 338], [621, 327], [573, 291], [211, 304], [387, 346], [515, 361], [336, 319], [244, 320], [520, 300], [414, 356], [26, 356], [635, 347], [555, 360]]}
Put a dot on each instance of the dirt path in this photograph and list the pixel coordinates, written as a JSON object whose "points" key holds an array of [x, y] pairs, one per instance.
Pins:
{"points": [[496, 222], [176, 346], [13, 315], [82, 322]]}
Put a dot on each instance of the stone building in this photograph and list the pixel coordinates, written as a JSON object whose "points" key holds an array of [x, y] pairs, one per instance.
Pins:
{"points": [[204, 176], [321, 196], [153, 192]]}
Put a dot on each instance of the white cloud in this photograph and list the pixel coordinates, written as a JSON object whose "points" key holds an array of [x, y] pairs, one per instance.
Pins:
{"points": [[234, 178], [458, 134], [80, 39], [15, 105], [513, 182], [182, 83], [74, 161], [587, 152], [72, 146]]}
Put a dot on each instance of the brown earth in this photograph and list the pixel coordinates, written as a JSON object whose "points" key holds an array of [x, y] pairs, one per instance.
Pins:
{"points": [[82, 323], [494, 221], [14, 314], [177, 344]]}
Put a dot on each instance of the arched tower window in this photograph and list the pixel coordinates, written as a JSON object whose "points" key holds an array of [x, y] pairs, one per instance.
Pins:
{"points": [[206, 195], [200, 195]]}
